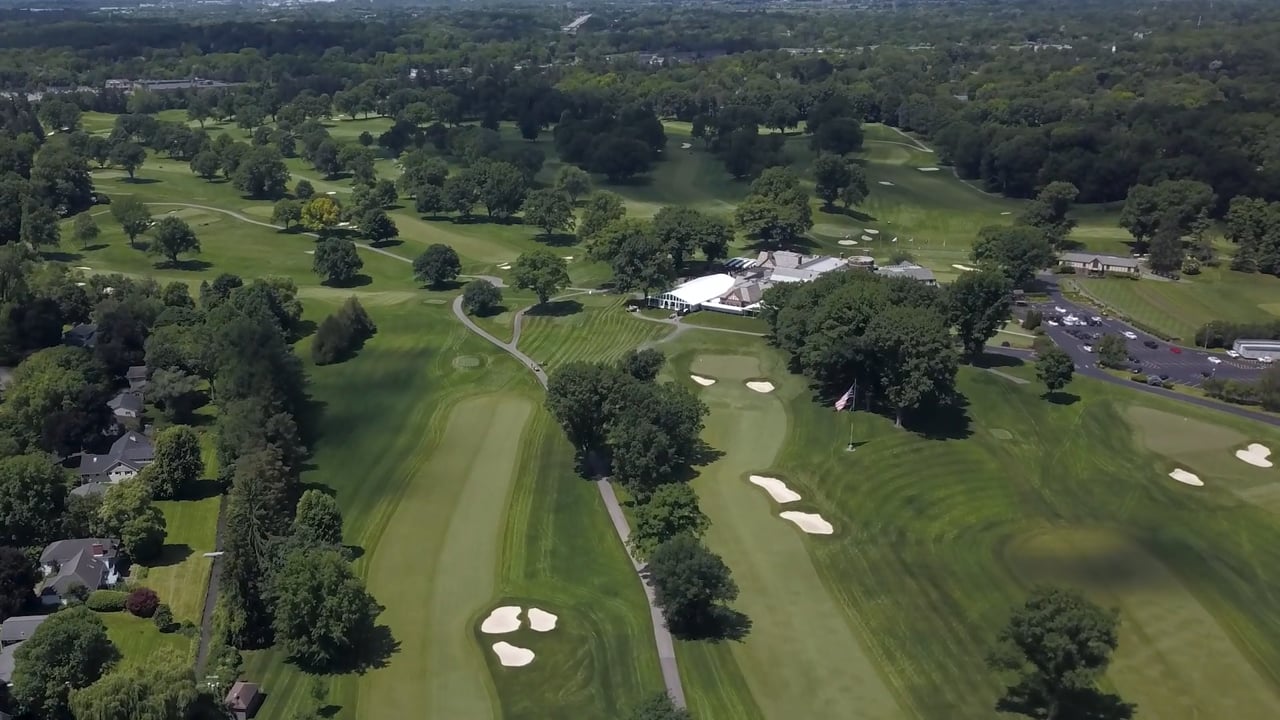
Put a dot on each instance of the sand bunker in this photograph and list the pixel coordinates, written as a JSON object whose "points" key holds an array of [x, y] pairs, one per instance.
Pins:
{"points": [[703, 381], [1007, 212], [502, 620], [886, 183], [309, 252], [869, 231], [965, 268], [760, 386], [685, 146], [511, 656], [541, 620], [1001, 434], [811, 523], [331, 192], [1186, 478], [504, 266], [847, 242], [83, 267], [867, 238], [568, 257], [777, 489], [1256, 454], [928, 169]]}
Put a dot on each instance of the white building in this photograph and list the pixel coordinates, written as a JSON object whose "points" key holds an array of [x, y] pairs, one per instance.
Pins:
{"points": [[694, 294]]}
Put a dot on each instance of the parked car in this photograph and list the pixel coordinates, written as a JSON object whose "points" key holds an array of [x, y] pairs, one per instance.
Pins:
{"points": [[1088, 348], [1265, 359], [1130, 334], [1164, 376], [1151, 344], [1215, 360], [1059, 310], [1233, 354], [1175, 349]]}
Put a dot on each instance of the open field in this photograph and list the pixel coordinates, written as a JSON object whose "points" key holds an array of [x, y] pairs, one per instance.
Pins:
{"points": [[181, 574], [1178, 309], [137, 638]]}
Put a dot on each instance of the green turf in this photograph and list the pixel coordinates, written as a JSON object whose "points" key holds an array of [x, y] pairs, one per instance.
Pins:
{"points": [[592, 328], [137, 638], [181, 573]]}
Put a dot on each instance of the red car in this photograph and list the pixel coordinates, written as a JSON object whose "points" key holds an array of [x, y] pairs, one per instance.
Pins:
{"points": [[1175, 349]]}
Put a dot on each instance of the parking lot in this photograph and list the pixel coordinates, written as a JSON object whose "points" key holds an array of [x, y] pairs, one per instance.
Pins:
{"points": [[1180, 364]]}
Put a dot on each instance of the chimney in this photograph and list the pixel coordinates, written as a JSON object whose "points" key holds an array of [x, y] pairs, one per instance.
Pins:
{"points": [[97, 550]]}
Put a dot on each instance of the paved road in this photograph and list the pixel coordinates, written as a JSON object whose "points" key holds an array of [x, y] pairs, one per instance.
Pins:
{"points": [[661, 636], [1188, 367]]}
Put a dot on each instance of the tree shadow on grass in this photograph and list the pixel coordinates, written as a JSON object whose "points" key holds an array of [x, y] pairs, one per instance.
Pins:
{"points": [[393, 242], [60, 256], [800, 244], [558, 239], [329, 711], [851, 213], [945, 422], [192, 265], [1059, 397], [200, 490], [988, 360], [372, 652], [446, 286], [720, 623], [171, 555], [140, 181], [359, 280], [555, 308], [492, 311]]}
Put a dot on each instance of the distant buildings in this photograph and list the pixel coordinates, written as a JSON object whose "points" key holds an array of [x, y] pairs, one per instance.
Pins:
{"points": [[166, 85], [909, 270], [573, 27], [1100, 265], [82, 562]]}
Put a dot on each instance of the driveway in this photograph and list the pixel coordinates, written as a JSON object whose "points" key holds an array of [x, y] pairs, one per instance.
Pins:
{"points": [[1188, 366]]}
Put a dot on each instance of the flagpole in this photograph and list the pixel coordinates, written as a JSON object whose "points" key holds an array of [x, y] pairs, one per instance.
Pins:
{"points": [[854, 403]]}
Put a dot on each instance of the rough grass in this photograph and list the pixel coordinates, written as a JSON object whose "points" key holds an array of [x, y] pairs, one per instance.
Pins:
{"points": [[593, 328], [181, 573], [137, 638]]}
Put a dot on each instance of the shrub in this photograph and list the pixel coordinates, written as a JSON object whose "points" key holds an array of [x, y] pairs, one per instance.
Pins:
{"points": [[481, 297], [106, 601], [142, 602], [342, 333], [1032, 320], [163, 618]]}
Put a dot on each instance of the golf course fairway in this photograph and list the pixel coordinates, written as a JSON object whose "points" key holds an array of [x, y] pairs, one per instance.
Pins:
{"points": [[801, 657], [436, 564]]}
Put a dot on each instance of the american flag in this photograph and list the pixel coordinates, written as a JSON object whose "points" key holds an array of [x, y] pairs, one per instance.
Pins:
{"points": [[843, 402]]}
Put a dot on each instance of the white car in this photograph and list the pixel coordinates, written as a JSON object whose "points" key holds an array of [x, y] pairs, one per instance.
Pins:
{"points": [[1130, 334], [1096, 319], [1052, 322], [1265, 359], [1059, 310], [1215, 360], [1088, 348], [1233, 354]]}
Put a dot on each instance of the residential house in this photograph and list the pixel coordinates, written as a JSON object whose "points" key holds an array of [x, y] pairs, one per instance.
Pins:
{"points": [[1100, 265], [127, 406], [88, 562], [130, 453], [137, 377], [909, 270], [243, 699], [19, 628], [84, 335]]}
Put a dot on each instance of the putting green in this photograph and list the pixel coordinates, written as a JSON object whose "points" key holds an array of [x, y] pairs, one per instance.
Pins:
{"points": [[801, 658], [1174, 659], [436, 561]]}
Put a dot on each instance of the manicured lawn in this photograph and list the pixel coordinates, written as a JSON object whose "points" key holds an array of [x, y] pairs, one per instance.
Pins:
{"points": [[726, 321], [1178, 309], [181, 574], [137, 638], [592, 328]]}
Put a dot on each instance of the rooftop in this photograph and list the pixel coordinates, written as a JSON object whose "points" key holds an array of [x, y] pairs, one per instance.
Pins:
{"points": [[130, 400], [132, 449], [19, 628], [242, 696], [1087, 258], [82, 561], [907, 270], [6, 662], [700, 290]]}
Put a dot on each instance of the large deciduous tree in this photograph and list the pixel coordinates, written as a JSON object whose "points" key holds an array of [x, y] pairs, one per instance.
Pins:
{"points": [[336, 261], [1018, 252], [1058, 645], [481, 297], [1054, 368], [377, 227], [573, 182], [18, 578], [128, 513], [322, 611], [683, 230], [177, 464], [541, 271], [317, 520], [1048, 212], [671, 510], [319, 214], [128, 156], [691, 584], [171, 236], [437, 265], [913, 355], [56, 400], [600, 209], [977, 305], [261, 173], [635, 255], [69, 651], [548, 209], [159, 687], [133, 216]]}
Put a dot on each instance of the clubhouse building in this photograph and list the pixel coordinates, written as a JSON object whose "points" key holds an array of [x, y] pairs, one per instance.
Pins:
{"points": [[1100, 265]]}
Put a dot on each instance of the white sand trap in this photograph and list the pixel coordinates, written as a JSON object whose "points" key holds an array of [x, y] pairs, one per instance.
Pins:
{"points": [[685, 146], [309, 252], [83, 267], [870, 231], [504, 266], [1256, 454], [502, 620], [703, 381], [541, 620], [568, 257], [511, 656], [811, 523], [1007, 212], [1186, 478], [867, 238], [886, 183], [847, 242], [965, 268], [761, 386], [332, 192], [777, 489], [928, 169]]}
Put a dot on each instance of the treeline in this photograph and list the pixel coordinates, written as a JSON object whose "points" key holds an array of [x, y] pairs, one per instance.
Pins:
{"points": [[341, 334], [646, 435], [1223, 334], [1264, 392]]}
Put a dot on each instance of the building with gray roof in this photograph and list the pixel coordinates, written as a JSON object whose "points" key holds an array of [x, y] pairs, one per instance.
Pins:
{"points": [[910, 271], [6, 664], [130, 453], [87, 562], [19, 628]]}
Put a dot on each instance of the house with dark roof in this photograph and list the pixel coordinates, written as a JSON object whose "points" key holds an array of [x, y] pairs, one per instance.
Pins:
{"points": [[922, 275], [84, 335], [130, 453], [19, 628], [127, 406], [88, 562], [1100, 265], [243, 699], [137, 377]]}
